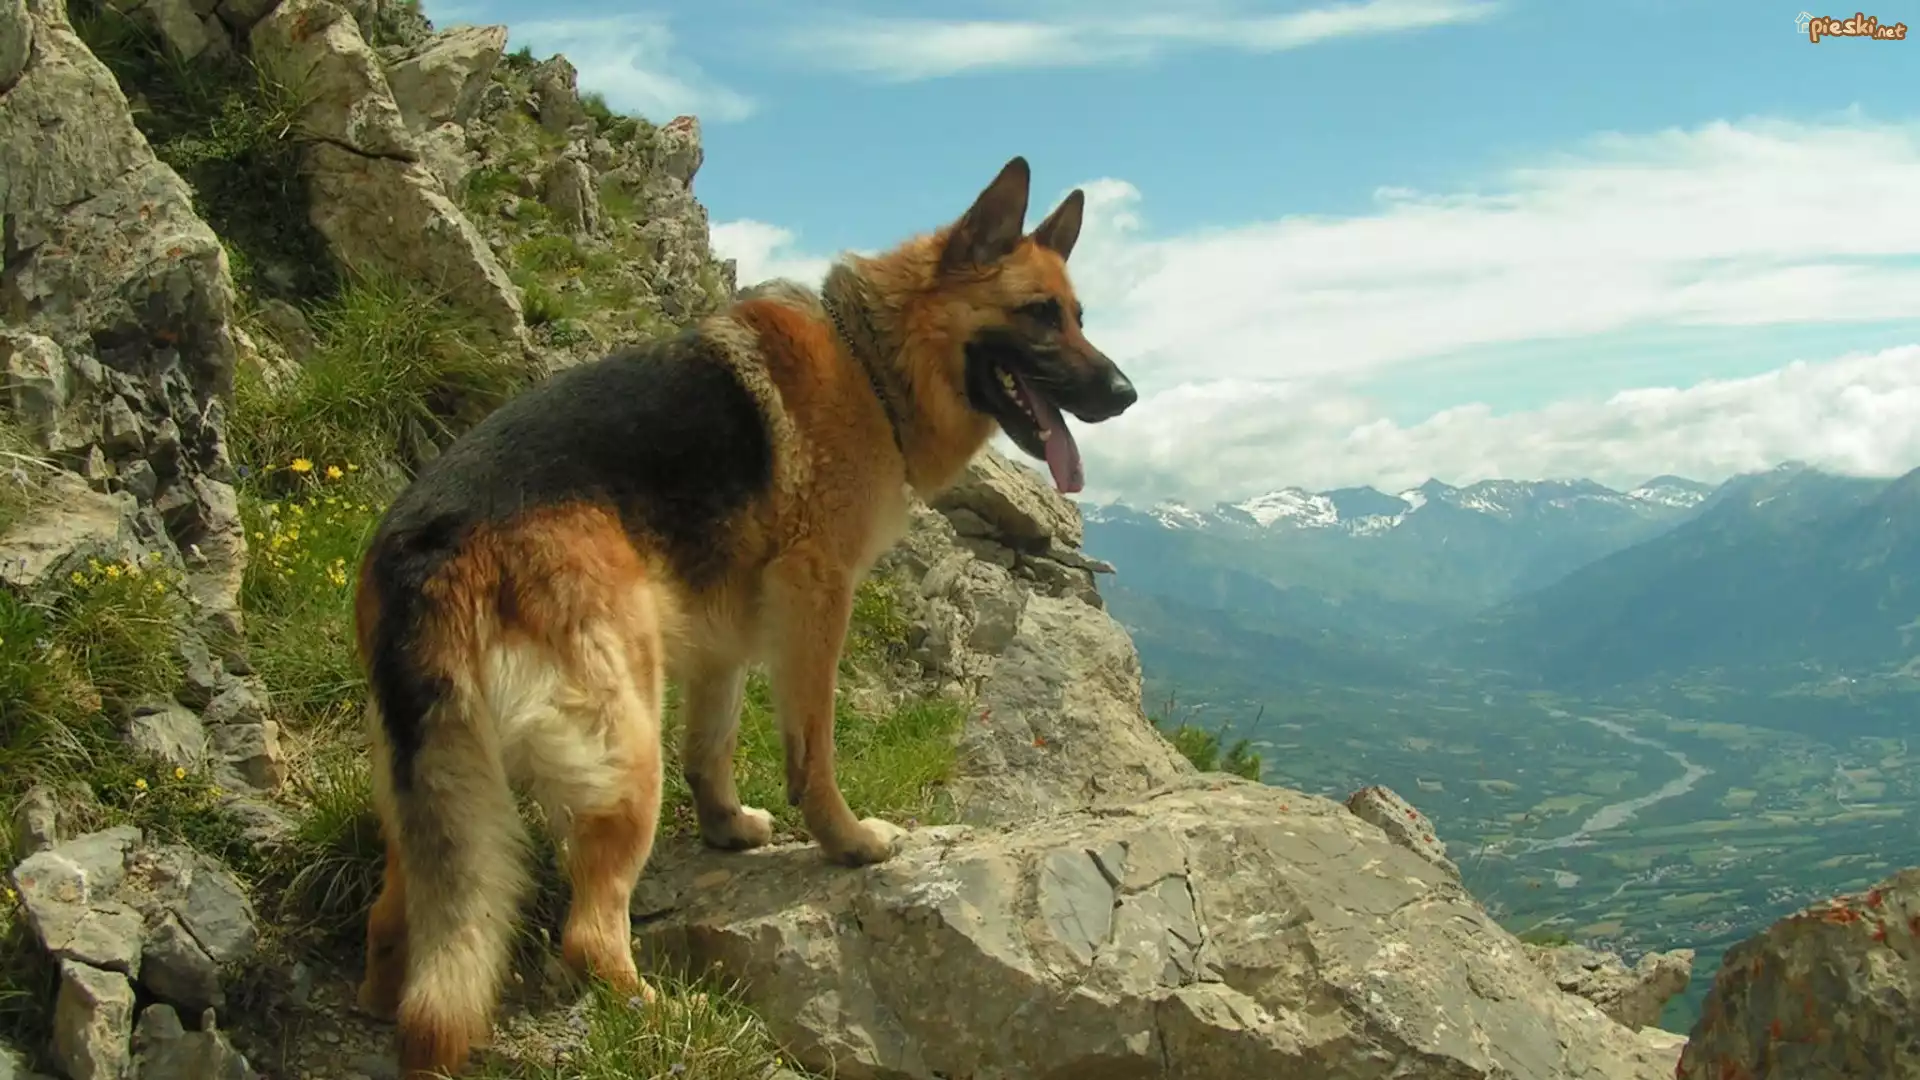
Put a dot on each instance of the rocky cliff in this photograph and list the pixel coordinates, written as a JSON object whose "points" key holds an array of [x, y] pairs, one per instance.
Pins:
{"points": [[261, 259]]}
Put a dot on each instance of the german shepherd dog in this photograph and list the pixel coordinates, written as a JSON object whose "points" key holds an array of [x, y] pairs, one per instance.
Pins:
{"points": [[679, 509]]}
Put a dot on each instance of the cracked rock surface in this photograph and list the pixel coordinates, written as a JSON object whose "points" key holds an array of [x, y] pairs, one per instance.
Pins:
{"points": [[1217, 929]]}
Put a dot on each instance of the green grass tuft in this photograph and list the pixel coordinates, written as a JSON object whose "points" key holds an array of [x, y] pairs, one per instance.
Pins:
{"points": [[488, 189], [616, 127], [539, 305], [594, 104], [397, 374], [877, 634], [1204, 748], [694, 1030], [50, 720], [23, 475], [172, 805], [105, 639], [326, 875], [550, 254], [121, 623], [618, 203]]}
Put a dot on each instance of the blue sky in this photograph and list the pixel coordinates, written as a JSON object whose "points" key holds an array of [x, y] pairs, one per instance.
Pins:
{"points": [[1351, 242]]}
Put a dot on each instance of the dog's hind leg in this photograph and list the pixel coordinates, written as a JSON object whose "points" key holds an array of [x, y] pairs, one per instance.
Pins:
{"points": [[607, 845], [711, 691], [596, 768]]}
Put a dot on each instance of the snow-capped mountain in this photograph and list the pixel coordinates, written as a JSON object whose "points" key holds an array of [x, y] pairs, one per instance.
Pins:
{"points": [[1365, 511], [1569, 581], [1387, 564]]}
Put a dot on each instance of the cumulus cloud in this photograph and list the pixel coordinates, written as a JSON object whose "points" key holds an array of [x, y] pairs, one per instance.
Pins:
{"points": [[1725, 225], [1263, 352], [1855, 414], [634, 62], [909, 48], [761, 252]]}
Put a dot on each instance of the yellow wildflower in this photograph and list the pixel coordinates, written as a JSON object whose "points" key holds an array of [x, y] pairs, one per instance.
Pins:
{"points": [[159, 588], [113, 571], [77, 578], [301, 465], [141, 784], [179, 773], [334, 473]]}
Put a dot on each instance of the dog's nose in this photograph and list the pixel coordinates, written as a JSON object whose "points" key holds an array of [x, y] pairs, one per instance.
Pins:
{"points": [[1120, 392]]}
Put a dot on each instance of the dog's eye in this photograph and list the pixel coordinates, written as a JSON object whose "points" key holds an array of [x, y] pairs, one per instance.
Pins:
{"points": [[1046, 312]]}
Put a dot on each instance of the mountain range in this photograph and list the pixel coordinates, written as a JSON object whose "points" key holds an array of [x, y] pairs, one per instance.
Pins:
{"points": [[1561, 582]]}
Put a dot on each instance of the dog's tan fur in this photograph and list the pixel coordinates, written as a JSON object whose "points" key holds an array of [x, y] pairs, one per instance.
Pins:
{"points": [[552, 629]]}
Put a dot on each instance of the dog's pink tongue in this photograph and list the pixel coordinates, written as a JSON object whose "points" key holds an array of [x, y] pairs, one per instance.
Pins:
{"points": [[1063, 454], [1063, 459]]}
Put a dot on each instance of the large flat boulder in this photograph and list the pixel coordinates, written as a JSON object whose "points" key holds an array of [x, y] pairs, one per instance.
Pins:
{"points": [[1221, 929]]}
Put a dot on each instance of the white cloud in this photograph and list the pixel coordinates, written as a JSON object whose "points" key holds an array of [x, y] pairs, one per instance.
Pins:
{"points": [[761, 251], [1258, 348], [906, 48], [631, 59], [1724, 225], [1855, 414]]}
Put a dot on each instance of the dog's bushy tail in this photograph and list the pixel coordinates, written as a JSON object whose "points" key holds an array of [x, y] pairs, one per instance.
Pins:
{"points": [[464, 850], [450, 809]]}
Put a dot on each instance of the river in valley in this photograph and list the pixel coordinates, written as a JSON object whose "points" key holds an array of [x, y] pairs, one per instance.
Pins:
{"points": [[1614, 815]]}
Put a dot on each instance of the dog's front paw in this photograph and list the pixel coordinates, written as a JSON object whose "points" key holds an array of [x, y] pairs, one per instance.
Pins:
{"points": [[749, 827], [872, 840]]}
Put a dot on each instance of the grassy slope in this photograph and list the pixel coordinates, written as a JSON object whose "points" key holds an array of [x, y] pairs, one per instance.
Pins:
{"points": [[394, 374]]}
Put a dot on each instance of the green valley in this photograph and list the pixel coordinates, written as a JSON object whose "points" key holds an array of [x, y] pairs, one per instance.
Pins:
{"points": [[1701, 728]]}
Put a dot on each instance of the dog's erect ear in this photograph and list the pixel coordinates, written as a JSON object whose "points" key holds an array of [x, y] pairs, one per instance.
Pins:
{"points": [[991, 228], [1062, 227]]}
